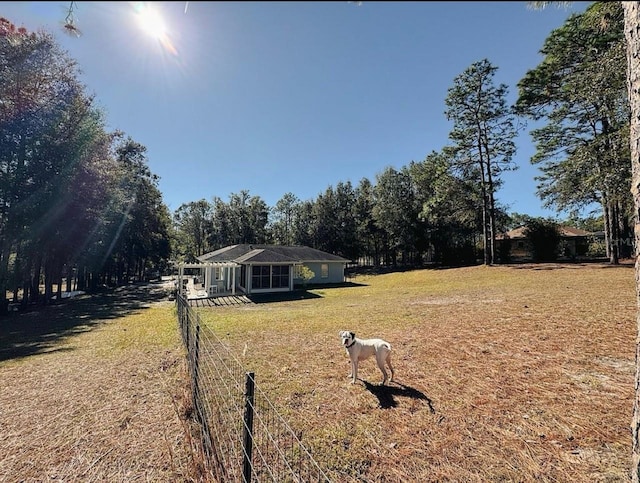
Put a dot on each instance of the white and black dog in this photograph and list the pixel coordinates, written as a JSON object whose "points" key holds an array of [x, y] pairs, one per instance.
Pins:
{"points": [[361, 349]]}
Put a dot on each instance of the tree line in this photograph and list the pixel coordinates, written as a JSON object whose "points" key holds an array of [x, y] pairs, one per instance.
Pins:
{"points": [[79, 203], [444, 208]]}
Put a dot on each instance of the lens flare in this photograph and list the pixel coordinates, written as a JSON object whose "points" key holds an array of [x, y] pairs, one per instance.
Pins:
{"points": [[152, 23]]}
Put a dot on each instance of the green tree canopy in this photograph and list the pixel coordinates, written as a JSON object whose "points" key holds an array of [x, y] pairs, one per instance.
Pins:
{"points": [[484, 128], [579, 92]]}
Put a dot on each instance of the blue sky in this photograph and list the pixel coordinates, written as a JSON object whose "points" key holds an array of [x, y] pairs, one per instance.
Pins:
{"points": [[279, 97]]}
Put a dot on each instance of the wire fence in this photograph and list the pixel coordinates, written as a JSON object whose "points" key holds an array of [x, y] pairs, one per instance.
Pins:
{"points": [[244, 437]]}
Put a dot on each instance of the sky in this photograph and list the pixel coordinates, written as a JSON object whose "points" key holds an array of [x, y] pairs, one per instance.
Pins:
{"points": [[294, 97]]}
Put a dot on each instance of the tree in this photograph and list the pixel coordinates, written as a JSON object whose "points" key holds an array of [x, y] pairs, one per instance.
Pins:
{"points": [[243, 220], [75, 201], [335, 226], [139, 230], [544, 236], [304, 224], [395, 213], [579, 88], [483, 131], [221, 227], [449, 208], [50, 134], [345, 202], [306, 274], [632, 36], [369, 237], [258, 220], [193, 222], [284, 213], [325, 227]]}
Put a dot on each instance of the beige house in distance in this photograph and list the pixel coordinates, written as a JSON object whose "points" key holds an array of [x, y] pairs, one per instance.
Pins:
{"points": [[574, 240]]}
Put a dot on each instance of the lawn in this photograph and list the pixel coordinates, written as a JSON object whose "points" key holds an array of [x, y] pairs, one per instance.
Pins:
{"points": [[94, 390], [509, 373]]}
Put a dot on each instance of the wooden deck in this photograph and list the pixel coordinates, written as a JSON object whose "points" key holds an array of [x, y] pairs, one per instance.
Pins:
{"points": [[220, 301]]}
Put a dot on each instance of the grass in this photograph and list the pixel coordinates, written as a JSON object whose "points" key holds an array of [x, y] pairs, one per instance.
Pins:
{"points": [[511, 373], [94, 390], [518, 373]]}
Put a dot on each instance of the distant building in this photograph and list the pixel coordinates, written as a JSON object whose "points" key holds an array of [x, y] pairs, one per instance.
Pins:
{"points": [[253, 269], [574, 243]]}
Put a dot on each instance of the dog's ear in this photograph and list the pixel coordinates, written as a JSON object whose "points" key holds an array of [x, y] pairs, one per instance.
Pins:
{"points": [[353, 334]]}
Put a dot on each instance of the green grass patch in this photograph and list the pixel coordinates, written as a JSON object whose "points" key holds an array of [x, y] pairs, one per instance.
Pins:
{"points": [[151, 329]]}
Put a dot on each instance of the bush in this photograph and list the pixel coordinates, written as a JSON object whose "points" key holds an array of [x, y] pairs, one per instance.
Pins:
{"points": [[544, 236], [306, 274]]}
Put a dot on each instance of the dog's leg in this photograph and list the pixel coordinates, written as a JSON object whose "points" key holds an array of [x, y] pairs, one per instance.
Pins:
{"points": [[380, 361], [354, 371], [390, 367], [384, 376]]}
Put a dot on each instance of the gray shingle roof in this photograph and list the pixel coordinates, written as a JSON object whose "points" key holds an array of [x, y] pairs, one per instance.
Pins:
{"points": [[259, 255], [269, 254]]}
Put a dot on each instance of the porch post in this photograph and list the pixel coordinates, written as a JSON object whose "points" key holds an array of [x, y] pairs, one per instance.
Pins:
{"points": [[233, 280], [291, 272]]}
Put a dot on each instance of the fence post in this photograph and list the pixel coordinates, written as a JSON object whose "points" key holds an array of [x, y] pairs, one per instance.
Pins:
{"points": [[247, 433], [195, 368], [188, 331]]}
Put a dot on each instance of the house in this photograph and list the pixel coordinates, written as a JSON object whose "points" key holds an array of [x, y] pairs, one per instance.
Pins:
{"points": [[574, 242], [254, 269]]}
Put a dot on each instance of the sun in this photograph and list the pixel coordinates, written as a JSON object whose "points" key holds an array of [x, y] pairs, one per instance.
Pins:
{"points": [[151, 21]]}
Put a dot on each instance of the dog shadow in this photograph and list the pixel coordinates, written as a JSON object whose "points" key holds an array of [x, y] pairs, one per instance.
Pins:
{"points": [[387, 394]]}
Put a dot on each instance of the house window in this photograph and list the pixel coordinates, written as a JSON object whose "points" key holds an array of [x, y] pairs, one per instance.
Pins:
{"points": [[260, 276], [324, 270], [280, 276]]}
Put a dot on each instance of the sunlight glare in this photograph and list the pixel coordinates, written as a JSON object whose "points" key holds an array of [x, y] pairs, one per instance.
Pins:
{"points": [[152, 23]]}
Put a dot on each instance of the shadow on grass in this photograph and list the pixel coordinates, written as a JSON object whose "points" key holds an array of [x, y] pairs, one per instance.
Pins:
{"points": [[566, 264], [321, 286], [266, 298], [300, 293], [386, 394], [41, 329]]}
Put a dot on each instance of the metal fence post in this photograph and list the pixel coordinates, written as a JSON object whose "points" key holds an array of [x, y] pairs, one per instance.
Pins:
{"points": [[247, 433], [195, 368]]}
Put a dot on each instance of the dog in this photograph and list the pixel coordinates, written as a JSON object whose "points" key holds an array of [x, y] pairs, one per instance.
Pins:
{"points": [[361, 349]]}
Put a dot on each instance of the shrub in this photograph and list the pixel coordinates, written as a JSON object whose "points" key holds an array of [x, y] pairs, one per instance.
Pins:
{"points": [[544, 236]]}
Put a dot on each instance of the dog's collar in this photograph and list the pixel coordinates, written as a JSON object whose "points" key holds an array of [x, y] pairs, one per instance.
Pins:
{"points": [[347, 346]]}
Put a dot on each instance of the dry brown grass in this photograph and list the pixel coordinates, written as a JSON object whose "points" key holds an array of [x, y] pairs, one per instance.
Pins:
{"points": [[521, 373], [100, 397], [514, 373]]}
